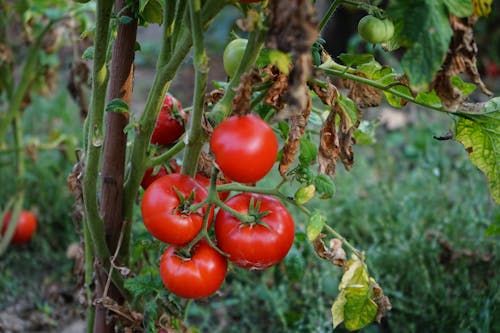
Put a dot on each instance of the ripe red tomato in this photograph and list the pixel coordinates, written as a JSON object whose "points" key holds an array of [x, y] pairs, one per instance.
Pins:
{"points": [[196, 277], [25, 228], [171, 122], [255, 246], [205, 182], [148, 178], [163, 212], [245, 148]]}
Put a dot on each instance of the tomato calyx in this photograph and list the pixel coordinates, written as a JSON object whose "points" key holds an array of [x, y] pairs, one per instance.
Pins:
{"points": [[185, 203]]}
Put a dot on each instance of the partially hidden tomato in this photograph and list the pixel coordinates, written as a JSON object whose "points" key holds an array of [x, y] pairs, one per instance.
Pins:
{"points": [[205, 182], [165, 214], [375, 30], [233, 53], [171, 167], [199, 276], [255, 245], [171, 122], [25, 228], [245, 148]]}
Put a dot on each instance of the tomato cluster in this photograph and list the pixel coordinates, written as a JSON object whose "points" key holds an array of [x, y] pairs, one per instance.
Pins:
{"points": [[253, 231]]}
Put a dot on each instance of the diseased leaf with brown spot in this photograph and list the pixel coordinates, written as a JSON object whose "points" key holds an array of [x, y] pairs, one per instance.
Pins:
{"points": [[327, 94], [460, 58], [363, 95], [328, 152], [278, 89], [298, 125], [241, 102], [383, 302]]}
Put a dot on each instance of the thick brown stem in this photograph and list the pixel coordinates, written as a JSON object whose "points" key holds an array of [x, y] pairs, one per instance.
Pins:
{"points": [[113, 169]]}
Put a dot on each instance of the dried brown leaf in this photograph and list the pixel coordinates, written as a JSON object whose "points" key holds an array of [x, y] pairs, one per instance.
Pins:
{"points": [[363, 95], [241, 102], [298, 125], [328, 152], [334, 253], [460, 58], [327, 94], [278, 89]]}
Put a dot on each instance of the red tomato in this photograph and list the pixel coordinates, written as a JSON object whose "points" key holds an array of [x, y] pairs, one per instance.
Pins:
{"points": [[171, 121], [25, 228], [205, 182], [199, 276], [255, 246], [163, 213], [148, 178], [245, 148]]}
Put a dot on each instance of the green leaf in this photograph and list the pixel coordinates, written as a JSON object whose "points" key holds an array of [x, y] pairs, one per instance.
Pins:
{"points": [[284, 129], [355, 59], [88, 54], [117, 105], [459, 8], [143, 284], [365, 133], [152, 11], [338, 309], [349, 108], [324, 185], [315, 225], [308, 151], [125, 19], [359, 309], [494, 227], [429, 98], [465, 88], [388, 77], [426, 34], [479, 133]]}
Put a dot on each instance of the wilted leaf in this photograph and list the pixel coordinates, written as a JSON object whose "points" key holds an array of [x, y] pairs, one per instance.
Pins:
{"points": [[359, 310], [354, 274], [278, 89], [241, 102], [298, 125], [363, 95], [460, 58], [479, 132], [334, 252]]}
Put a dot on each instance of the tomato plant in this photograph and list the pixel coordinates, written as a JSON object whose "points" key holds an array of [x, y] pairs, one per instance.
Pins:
{"points": [[171, 122], [198, 276], [166, 206], [260, 243], [375, 30], [245, 148], [233, 53], [25, 228], [149, 177]]}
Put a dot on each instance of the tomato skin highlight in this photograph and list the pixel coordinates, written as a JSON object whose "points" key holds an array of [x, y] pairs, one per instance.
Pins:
{"points": [[255, 246], [171, 121], [25, 228], [196, 277], [160, 209], [245, 148]]}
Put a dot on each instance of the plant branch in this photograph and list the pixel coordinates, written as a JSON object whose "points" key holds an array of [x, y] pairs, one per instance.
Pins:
{"points": [[329, 13], [195, 137]]}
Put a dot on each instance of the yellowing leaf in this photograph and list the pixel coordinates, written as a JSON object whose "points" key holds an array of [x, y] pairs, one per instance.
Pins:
{"points": [[355, 274], [479, 132], [359, 310], [481, 7], [338, 309]]}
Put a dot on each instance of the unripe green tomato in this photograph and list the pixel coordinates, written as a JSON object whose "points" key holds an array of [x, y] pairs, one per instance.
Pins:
{"points": [[233, 53], [375, 30]]}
